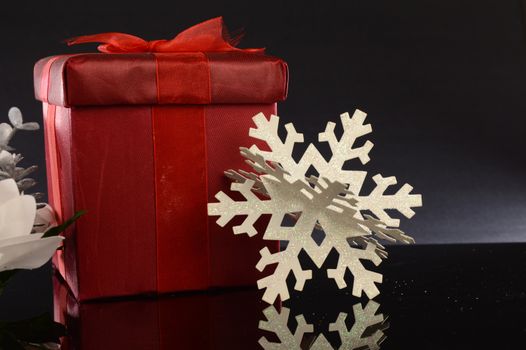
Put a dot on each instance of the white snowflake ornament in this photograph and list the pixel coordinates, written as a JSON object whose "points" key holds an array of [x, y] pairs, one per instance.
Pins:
{"points": [[331, 202]]}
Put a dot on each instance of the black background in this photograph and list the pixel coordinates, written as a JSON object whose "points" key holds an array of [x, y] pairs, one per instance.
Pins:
{"points": [[442, 83]]}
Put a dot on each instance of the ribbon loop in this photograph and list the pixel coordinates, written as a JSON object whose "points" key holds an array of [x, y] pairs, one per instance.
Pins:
{"points": [[207, 36]]}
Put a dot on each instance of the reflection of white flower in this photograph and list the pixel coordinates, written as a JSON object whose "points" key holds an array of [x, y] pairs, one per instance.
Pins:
{"points": [[19, 249]]}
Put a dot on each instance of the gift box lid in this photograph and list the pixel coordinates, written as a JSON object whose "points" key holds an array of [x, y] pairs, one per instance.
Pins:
{"points": [[199, 66], [179, 78]]}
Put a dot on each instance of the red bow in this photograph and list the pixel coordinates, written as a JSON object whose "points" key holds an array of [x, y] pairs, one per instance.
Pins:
{"points": [[207, 36]]}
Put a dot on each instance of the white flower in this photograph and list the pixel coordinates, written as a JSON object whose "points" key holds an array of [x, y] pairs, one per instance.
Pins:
{"points": [[19, 249]]}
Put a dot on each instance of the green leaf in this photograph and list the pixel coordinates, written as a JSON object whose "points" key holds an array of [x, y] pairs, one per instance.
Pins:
{"points": [[55, 231]]}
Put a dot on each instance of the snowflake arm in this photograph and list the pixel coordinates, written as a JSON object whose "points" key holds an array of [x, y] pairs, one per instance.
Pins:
{"points": [[227, 208], [267, 130], [381, 231], [377, 202], [287, 261], [241, 176], [343, 149], [365, 318], [277, 324], [364, 280]]}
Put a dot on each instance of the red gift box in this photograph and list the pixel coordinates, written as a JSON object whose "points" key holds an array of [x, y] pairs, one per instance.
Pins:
{"points": [[200, 321], [139, 137]]}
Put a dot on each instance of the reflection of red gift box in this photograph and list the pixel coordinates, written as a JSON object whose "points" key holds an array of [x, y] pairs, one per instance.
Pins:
{"points": [[140, 141], [201, 321]]}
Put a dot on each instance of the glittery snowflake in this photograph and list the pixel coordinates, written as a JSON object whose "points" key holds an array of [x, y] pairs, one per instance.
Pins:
{"points": [[367, 331], [330, 202]]}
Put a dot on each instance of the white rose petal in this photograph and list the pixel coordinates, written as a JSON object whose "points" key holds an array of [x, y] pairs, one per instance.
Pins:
{"points": [[7, 190], [27, 252], [17, 216]]}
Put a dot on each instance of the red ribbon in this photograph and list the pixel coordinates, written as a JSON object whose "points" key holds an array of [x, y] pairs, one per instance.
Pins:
{"points": [[207, 36]]}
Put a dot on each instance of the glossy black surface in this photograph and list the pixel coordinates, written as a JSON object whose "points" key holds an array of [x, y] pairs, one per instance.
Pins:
{"points": [[442, 297], [433, 297]]}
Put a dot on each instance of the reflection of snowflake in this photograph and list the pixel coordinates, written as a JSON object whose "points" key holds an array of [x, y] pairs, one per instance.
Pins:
{"points": [[331, 202], [365, 333]]}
